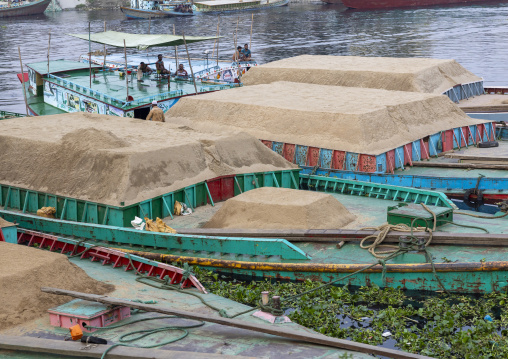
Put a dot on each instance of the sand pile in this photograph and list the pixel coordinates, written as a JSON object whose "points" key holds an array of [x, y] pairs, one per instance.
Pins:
{"points": [[357, 120], [111, 160], [275, 208], [24, 270], [4, 223], [396, 74]]}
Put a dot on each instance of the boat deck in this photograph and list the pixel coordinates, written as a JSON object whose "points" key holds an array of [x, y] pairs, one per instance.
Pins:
{"points": [[208, 339], [110, 87]]}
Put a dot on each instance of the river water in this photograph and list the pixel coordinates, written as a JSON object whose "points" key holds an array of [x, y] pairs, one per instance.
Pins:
{"points": [[474, 35]]}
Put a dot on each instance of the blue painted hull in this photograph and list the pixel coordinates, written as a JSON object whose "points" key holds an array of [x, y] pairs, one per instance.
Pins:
{"points": [[495, 188]]}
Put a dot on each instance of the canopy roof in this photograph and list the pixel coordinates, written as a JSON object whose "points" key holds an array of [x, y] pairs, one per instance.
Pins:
{"points": [[140, 41]]}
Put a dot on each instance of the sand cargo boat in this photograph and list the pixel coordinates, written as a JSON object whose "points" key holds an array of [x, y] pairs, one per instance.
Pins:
{"points": [[22, 8], [335, 135], [266, 228], [386, 4], [70, 86]]}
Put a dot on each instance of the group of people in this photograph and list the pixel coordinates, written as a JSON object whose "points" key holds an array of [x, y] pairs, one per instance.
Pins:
{"points": [[161, 69], [242, 54], [183, 8]]}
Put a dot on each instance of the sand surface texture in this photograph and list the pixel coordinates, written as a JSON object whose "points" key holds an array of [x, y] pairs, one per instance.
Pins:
{"points": [[397, 74], [24, 270], [111, 160], [4, 223], [274, 208], [350, 119]]}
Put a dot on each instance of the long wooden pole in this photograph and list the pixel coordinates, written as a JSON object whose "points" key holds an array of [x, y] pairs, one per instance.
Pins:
{"points": [[190, 65], [284, 332], [49, 46], [23, 81], [218, 40], [216, 34], [90, 54], [104, 63], [176, 48], [149, 24], [236, 38], [251, 25], [126, 76]]}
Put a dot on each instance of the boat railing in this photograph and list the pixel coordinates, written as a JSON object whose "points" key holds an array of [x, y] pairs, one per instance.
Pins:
{"points": [[157, 97]]}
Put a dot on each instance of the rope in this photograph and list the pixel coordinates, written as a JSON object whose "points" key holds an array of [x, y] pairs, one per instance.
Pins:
{"points": [[147, 332], [483, 217], [165, 285]]}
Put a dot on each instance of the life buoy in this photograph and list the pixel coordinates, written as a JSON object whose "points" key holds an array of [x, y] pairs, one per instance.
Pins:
{"points": [[473, 202]]}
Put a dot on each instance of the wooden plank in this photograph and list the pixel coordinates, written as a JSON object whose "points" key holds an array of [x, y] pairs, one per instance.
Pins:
{"points": [[337, 235], [76, 349], [277, 330], [460, 165], [477, 158]]}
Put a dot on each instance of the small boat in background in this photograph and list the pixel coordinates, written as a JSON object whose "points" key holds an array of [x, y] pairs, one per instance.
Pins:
{"points": [[140, 9], [217, 6], [23, 8]]}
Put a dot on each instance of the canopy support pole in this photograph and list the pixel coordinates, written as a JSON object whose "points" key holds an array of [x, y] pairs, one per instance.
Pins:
{"points": [[218, 40], [251, 25], [89, 55], [217, 34], [104, 63], [176, 48], [126, 77], [23, 81], [49, 46], [190, 65], [149, 24]]}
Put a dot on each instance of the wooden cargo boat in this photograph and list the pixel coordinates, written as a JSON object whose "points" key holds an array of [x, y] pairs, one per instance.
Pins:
{"points": [[24, 8]]}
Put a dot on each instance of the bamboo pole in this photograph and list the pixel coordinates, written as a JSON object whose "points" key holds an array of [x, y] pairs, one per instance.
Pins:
{"points": [[104, 63], [126, 77], [49, 46], [176, 48], [190, 65], [218, 40], [251, 25], [149, 24], [23, 81], [236, 38], [216, 34], [89, 54]]}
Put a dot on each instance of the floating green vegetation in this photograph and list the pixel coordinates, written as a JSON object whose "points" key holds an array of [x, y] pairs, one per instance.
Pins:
{"points": [[441, 326]]}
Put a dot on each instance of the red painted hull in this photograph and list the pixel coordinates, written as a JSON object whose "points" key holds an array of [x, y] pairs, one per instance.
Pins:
{"points": [[384, 4], [37, 7]]}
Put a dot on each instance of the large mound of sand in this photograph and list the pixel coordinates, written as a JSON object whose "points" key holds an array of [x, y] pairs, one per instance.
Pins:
{"points": [[397, 74], [350, 119], [111, 160], [24, 270], [273, 208]]}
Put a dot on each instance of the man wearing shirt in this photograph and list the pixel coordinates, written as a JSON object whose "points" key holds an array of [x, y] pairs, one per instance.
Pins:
{"points": [[156, 114], [246, 53]]}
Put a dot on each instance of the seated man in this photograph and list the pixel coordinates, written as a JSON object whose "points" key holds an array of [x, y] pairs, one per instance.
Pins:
{"points": [[238, 56], [159, 66], [246, 53], [181, 72], [144, 68]]}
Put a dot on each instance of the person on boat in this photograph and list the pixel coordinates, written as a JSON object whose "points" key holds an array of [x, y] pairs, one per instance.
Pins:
{"points": [[246, 53], [159, 65], [181, 72], [144, 68], [156, 114], [238, 56]]}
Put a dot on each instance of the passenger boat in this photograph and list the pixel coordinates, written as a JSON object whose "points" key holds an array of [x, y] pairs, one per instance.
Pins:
{"points": [[384, 4], [217, 6], [71, 86], [152, 10], [23, 8]]}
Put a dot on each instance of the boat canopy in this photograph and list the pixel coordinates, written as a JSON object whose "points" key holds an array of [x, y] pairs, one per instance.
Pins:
{"points": [[139, 41]]}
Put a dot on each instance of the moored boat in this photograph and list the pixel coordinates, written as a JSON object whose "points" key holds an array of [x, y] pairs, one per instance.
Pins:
{"points": [[23, 8], [217, 6], [386, 4]]}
